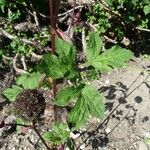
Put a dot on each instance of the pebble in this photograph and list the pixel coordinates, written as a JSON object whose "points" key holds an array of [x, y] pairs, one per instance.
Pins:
{"points": [[108, 130], [82, 146], [143, 146], [2, 130], [74, 136], [10, 119], [107, 82], [2, 100], [147, 134]]}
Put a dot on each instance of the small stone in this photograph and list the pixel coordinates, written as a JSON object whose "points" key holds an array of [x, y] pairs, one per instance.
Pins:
{"points": [[107, 82], [142, 146], [74, 136], [82, 146], [147, 134], [10, 119], [107, 130], [98, 120], [2, 130]]}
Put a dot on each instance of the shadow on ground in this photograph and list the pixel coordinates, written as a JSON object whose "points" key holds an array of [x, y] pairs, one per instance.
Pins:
{"points": [[118, 108]]}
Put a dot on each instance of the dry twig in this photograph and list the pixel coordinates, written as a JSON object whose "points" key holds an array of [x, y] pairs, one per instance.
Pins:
{"points": [[36, 56], [13, 37], [24, 63], [20, 71], [7, 58], [35, 16], [142, 29], [110, 40], [83, 40]]}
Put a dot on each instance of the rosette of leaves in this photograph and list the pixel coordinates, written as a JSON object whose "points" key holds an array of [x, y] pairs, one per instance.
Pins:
{"points": [[29, 105]]}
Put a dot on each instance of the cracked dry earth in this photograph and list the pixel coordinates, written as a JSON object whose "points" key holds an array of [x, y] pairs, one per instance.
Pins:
{"points": [[126, 125]]}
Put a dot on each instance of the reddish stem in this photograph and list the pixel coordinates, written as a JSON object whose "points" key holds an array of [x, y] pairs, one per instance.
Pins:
{"points": [[54, 9]]}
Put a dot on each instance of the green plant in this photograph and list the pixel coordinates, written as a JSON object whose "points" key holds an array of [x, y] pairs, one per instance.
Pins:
{"points": [[80, 96], [59, 133], [117, 19]]}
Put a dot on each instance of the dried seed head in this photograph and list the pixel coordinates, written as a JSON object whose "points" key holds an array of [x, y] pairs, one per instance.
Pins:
{"points": [[29, 105]]}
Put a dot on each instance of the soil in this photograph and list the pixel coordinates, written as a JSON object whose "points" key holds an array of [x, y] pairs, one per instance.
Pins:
{"points": [[127, 98], [126, 125]]}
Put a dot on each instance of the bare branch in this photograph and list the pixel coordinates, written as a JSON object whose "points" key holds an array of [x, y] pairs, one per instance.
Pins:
{"points": [[35, 16], [92, 26], [21, 71], [36, 56], [110, 40], [24, 63], [142, 29], [13, 37], [72, 18], [69, 11], [7, 58], [106, 7], [83, 40]]}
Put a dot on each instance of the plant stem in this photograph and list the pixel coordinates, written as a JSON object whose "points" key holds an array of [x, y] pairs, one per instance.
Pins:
{"points": [[54, 9], [41, 138]]}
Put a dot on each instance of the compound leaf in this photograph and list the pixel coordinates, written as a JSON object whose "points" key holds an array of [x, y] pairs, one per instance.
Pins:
{"points": [[114, 57], [58, 135], [65, 95], [29, 81], [52, 66], [11, 93], [94, 46], [94, 101], [65, 50], [89, 102], [79, 113]]}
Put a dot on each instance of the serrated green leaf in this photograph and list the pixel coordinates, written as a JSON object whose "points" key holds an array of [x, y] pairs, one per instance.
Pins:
{"points": [[62, 65], [65, 50], [58, 135], [100, 66], [94, 46], [89, 102], [79, 113], [65, 95], [146, 9], [114, 57], [11, 93], [29, 81], [52, 66], [94, 101]]}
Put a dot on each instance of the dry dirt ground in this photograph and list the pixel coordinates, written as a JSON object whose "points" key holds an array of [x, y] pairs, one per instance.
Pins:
{"points": [[127, 99], [126, 125]]}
